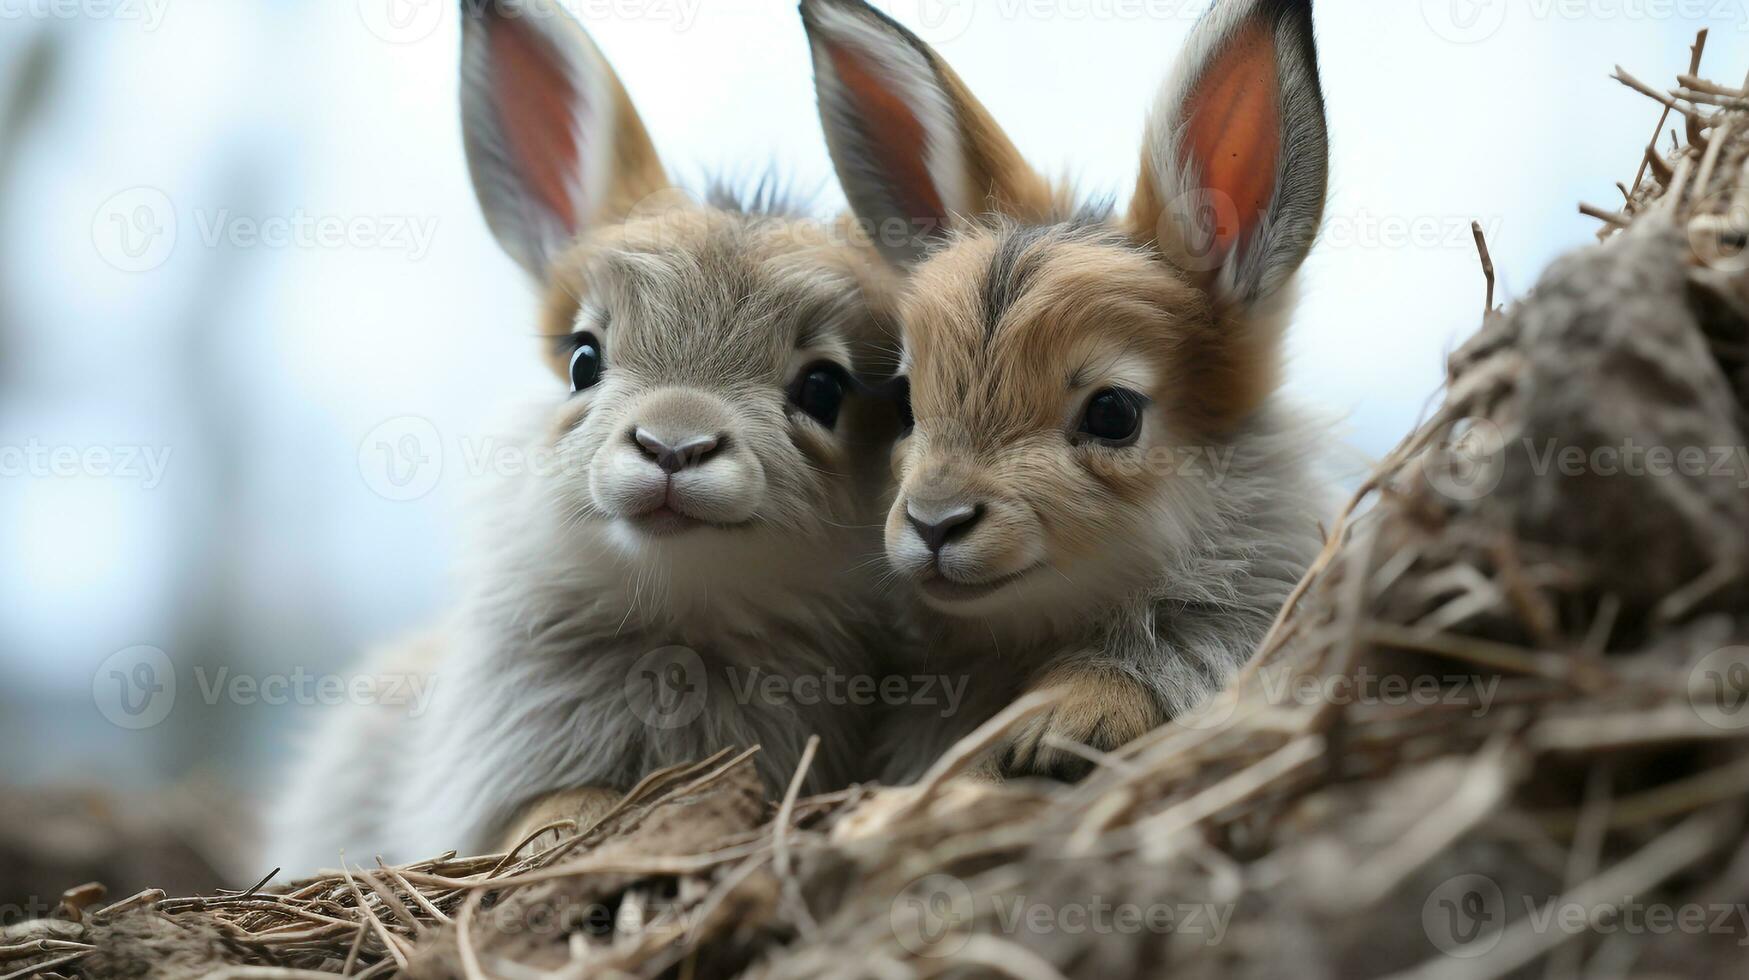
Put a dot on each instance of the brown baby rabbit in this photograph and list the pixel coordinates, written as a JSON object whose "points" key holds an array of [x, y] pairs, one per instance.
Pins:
{"points": [[1102, 496]]}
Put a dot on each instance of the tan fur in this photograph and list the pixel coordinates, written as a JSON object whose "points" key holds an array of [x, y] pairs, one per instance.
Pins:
{"points": [[582, 807], [637, 170], [991, 410], [1132, 566], [1098, 708], [1084, 297], [993, 164]]}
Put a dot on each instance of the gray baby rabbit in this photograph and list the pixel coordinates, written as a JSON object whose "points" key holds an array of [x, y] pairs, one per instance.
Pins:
{"points": [[704, 514]]}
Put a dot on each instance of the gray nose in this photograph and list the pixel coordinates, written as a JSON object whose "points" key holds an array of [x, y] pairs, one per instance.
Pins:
{"points": [[937, 530], [686, 452]]}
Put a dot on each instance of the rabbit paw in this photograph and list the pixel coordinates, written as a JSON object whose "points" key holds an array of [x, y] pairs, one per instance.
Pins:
{"points": [[1098, 709], [533, 828]]}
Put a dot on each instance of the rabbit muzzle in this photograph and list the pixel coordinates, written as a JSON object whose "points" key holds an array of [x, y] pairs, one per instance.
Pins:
{"points": [[960, 539], [676, 464]]}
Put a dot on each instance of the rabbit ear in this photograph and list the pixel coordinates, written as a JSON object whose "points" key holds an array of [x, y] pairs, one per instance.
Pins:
{"points": [[916, 152], [1235, 169], [553, 142]]}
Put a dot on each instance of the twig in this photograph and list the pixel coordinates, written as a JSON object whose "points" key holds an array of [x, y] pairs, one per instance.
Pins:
{"points": [[786, 811], [1703, 180], [1669, 102], [1650, 159], [44, 967], [1694, 124], [969, 749], [1613, 218], [382, 931], [1232, 790], [1698, 84], [464, 941], [1487, 264]]}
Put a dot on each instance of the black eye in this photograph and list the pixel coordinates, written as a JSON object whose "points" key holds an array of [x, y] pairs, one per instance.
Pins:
{"points": [[585, 361], [820, 392], [1114, 416], [902, 402]]}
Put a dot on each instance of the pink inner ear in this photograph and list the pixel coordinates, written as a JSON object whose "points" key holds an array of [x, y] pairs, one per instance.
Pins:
{"points": [[1233, 128], [537, 106], [894, 135]]}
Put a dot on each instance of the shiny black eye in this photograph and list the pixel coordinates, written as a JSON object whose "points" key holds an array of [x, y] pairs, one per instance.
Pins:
{"points": [[902, 402], [585, 361], [819, 391], [1114, 416]]}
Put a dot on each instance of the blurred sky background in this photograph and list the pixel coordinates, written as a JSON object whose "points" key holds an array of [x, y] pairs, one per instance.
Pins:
{"points": [[143, 143]]}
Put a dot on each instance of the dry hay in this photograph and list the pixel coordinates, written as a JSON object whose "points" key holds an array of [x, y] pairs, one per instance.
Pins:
{"points": [[1564, 794]]}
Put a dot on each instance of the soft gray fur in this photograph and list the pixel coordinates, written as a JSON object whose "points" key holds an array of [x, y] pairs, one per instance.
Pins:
{"points": [[621, 613], [541, 681]]}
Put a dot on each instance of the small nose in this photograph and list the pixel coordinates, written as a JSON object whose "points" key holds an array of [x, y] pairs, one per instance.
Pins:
{"points": [[937, 531], [685, 453]]}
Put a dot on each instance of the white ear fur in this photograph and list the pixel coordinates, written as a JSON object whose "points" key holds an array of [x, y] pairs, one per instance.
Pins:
{"points": [[549, 132], [924, 185], [1249, 248]]}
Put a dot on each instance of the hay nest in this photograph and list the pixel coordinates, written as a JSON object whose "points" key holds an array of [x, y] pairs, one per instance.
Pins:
{"points": [[1500, 730]]}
